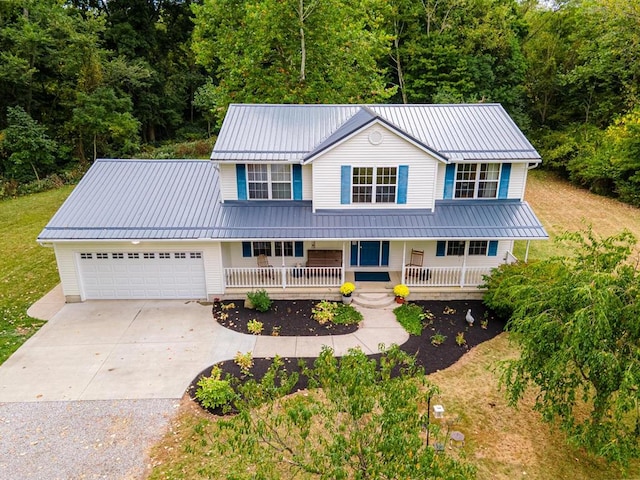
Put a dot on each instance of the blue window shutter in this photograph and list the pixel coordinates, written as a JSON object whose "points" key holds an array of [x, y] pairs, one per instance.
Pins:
{"points": [[241, 179], [441, 248], [385, 253], [449, 180], [354, 253], [345, 185], [503, 191], [246, 249], [298, 249], [403, 179], [493, 248], [297, 182]]}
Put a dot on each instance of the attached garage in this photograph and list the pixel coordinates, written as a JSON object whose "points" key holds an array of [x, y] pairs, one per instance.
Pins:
{"points": [[141, 275]]}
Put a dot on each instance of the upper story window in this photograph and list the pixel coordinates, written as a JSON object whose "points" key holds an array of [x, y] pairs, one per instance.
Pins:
{"points": [[477, 180], [269, 182], [374, 184]]}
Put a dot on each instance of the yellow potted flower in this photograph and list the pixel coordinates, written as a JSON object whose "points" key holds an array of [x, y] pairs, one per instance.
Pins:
{"points": [[346, 290], [401, 291]]}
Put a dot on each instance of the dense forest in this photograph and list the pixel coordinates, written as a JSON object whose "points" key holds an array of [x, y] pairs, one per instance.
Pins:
{"points": [[81, 79]]}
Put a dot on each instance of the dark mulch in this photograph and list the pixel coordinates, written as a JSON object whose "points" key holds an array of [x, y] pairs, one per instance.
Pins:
{"points": [[290, 318], [449, 321]]}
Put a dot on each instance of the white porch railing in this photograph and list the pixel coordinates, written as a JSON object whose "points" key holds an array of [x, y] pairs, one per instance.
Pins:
{"points": [[510, 258], [283, 277], [445, 276]]}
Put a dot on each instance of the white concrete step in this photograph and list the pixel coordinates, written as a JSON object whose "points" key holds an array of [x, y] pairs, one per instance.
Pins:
{"points": [[373, 299]]}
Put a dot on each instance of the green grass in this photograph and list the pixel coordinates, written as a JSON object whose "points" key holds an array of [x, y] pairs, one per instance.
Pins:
{"points": [[27, 270]]}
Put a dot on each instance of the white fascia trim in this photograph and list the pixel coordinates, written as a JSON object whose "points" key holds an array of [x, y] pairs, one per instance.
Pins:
{"points": [[389, 128]]}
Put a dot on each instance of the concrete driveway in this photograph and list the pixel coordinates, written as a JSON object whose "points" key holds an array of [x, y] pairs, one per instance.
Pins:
{"points": [[105, 350]]}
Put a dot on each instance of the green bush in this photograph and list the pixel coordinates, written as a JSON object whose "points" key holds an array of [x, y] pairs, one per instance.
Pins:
{"points": [[324, 311], [213, 392], [346, 315], [260, 300], [336, 313], [411, 317], [255, 327]]}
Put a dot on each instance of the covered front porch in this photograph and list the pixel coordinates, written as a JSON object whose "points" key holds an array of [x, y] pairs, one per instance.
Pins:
{"points": [[300, 265]]}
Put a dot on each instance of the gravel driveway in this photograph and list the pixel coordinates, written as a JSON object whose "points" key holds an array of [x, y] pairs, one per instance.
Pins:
{"points": [[80, 440]]}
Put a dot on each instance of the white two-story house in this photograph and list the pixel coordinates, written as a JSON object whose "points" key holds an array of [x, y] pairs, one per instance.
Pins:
{"points": [[300, 198]]}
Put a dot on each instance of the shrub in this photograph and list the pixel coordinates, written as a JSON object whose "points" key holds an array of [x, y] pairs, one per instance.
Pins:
{"points": [[214, 392], [438, 339], [401, 290], [346, 315], [255, 327], [337, 313], [260, 300], [244, 361], [460, 341], [411, 317], [324, 311]]}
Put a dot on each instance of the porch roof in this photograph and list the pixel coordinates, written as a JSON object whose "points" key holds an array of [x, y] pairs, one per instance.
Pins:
{"points": [[165, 200], [496, 219]]}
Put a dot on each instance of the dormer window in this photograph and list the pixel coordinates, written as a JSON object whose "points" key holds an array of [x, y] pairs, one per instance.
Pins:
{"points": [[477, 180], [374, 184], [269, 182]]}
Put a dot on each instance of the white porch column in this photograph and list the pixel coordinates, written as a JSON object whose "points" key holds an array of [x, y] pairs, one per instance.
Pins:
{"points": [[403, 268], [464, 263], [283, 269], [343, 275], [526, 253]]}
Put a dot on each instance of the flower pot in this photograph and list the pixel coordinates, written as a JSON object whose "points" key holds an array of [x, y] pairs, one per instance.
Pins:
{"points": [[346, 299], [400, 300]]}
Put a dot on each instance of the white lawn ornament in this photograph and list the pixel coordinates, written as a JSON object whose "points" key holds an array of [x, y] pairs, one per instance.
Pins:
{"points": [[469, 318]]}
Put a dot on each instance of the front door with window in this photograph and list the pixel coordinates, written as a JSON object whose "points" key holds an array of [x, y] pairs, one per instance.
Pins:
{"points": [[368, 253]]}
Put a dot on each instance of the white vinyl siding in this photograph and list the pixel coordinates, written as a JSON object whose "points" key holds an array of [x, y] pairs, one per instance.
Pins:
{"points": [[228, 184], [358, 151], [518, 180], [307, 182]]}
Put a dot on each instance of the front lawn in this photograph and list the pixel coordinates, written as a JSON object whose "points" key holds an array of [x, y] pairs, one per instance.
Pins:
{"points": [[27, 270]]}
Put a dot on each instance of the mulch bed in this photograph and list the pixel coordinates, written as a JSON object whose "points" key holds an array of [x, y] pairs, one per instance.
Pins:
{"points": [[291, 318], [449, 320]]}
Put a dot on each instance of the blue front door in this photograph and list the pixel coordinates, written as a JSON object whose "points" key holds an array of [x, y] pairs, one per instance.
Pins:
{"points": [[369, 254]]}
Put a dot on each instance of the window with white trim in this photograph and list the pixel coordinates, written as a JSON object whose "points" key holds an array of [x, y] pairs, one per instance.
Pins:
{"points": [[477, 180], [455, 248], [269, 181], [367, 180], [261, 248], [283, 249], [478, 247]]}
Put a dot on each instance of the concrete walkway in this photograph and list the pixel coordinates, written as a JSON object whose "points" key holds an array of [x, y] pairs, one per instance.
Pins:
{"points": [[145, 349]]}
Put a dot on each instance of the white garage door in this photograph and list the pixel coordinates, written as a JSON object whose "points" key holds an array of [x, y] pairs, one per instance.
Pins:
{"points": [[136, 275]]}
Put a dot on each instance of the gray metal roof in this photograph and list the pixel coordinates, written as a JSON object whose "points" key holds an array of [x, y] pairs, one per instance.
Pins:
{"points": [[135, 199], [459, 132], [180, 199]]}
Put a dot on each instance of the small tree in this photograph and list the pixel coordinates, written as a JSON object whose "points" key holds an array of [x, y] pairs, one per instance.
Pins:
{"points": [[360, 419], [576, 322], [30, 152]]}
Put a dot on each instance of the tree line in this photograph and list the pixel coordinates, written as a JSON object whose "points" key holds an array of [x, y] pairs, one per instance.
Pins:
{"points": [[81, 79]]}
